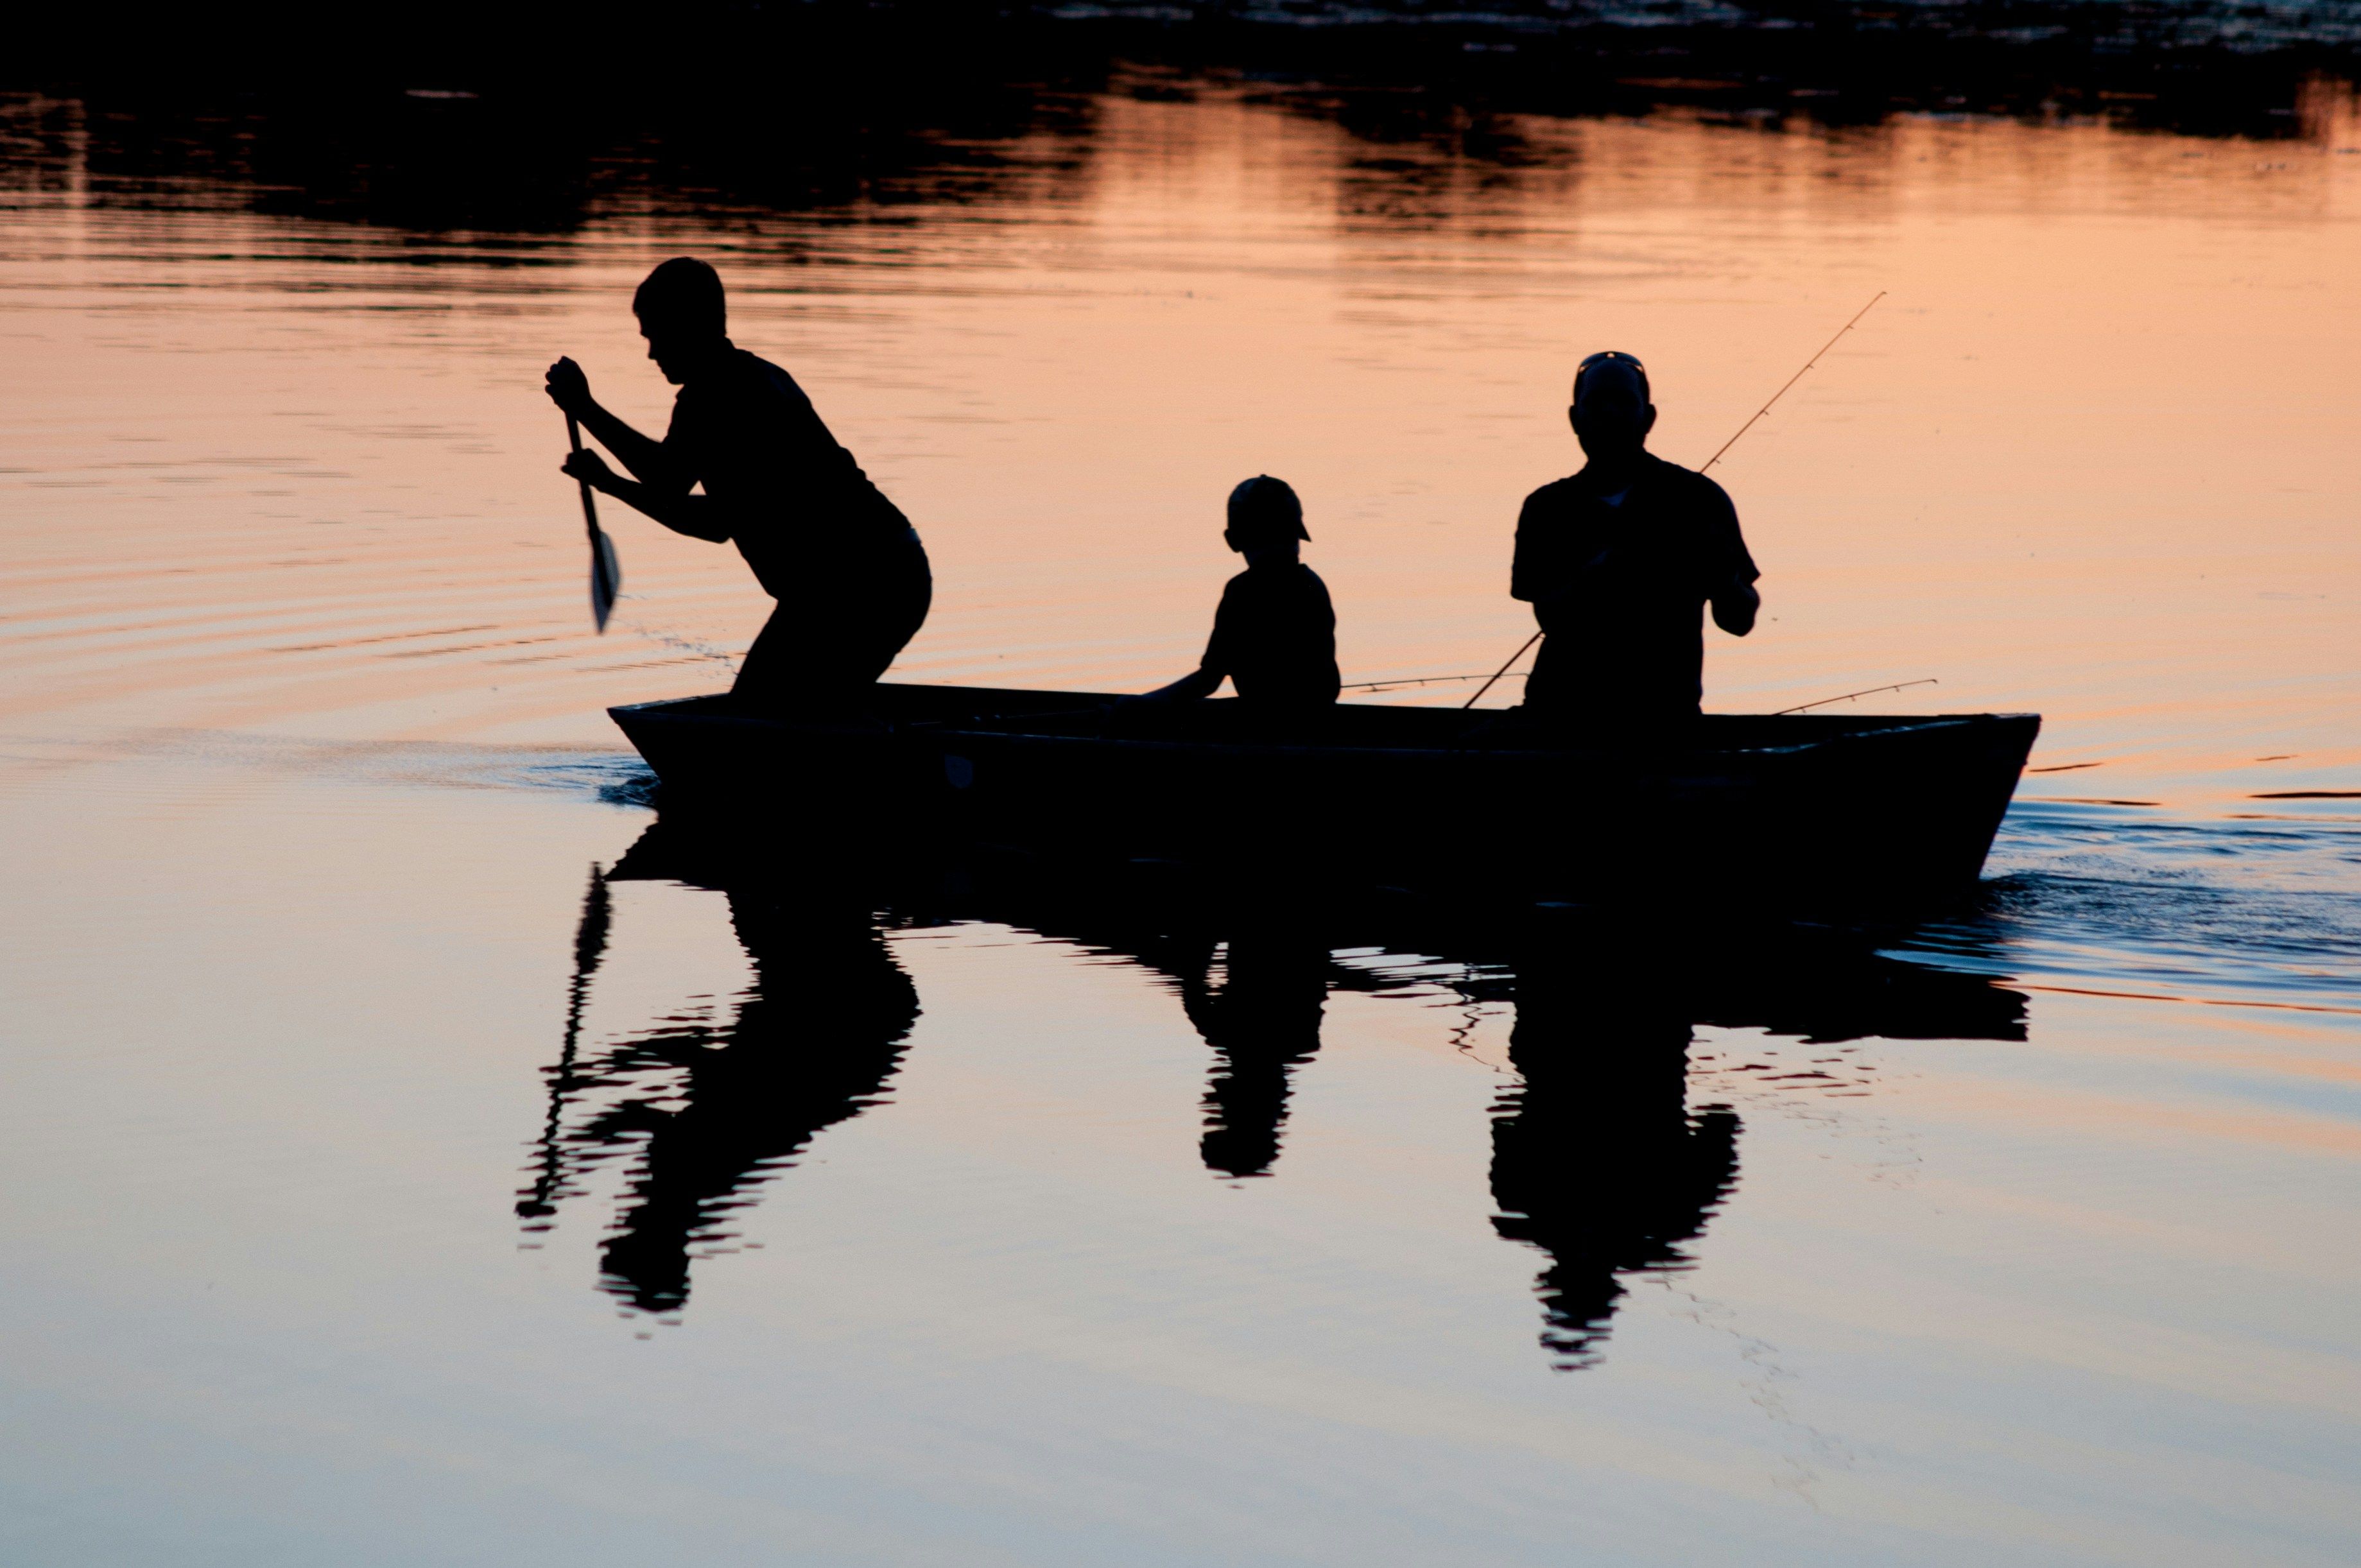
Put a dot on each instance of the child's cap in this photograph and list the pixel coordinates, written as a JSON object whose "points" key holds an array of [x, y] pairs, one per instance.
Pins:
{"points": [[1263, 507]]}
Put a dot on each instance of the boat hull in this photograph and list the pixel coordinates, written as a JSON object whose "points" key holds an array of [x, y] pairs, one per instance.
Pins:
{"points": [[1803, 812]]}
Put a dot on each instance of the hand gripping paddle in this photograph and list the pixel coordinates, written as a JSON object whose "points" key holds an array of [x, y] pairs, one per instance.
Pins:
{"points": [[606, 577]]}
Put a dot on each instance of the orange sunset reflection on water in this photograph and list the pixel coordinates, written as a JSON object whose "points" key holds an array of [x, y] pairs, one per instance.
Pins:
{"points": [[2091, 456]]}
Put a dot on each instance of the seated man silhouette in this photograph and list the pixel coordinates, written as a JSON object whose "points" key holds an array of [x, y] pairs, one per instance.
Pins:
{"points": [[1275, 631], [1620, 561], [845, 566]]}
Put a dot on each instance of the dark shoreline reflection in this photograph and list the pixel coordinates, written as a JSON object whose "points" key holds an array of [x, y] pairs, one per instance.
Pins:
{"points": [[1600, 1162], [501, 165], [820, 70], [510, 172]]}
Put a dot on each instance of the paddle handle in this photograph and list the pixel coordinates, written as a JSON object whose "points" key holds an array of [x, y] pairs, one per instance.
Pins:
{"points": [[590, 503]]}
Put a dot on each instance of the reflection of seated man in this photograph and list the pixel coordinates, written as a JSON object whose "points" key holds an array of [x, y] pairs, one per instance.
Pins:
{"points": [[1274, 634], [845, 566], [1596, 1160], [1620, 561]]}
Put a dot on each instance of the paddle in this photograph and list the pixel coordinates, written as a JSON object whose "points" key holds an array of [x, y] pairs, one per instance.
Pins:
{"points": [[606, 577], [590, 946]]}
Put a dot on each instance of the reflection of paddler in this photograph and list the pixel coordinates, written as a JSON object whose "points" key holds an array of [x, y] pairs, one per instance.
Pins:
{"points": [[537, 1204], [845, 566], [816, 1039], [1596, 1159]]}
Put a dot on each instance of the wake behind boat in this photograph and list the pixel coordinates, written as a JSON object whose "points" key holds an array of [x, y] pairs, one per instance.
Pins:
{"points": [[1804, 811]]}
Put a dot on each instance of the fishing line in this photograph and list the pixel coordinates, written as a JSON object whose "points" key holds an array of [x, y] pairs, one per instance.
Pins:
{"points": [[683, 643]]}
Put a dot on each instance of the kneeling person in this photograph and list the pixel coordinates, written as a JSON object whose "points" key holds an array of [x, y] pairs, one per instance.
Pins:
{"points": [[845, 566], [1274, 634]]}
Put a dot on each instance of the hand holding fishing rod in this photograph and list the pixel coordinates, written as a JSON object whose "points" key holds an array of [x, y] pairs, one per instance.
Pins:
{"points": [[1629, 366]]}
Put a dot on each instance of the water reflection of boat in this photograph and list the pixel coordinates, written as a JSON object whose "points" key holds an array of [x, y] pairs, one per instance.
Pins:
{"points": [[1800, 810], [1601, 1160]]}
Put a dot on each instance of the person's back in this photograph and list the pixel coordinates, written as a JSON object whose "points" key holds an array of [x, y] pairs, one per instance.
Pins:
{"points": [[1274, 632], [1618, 562], [797, 501], [846, 567]]}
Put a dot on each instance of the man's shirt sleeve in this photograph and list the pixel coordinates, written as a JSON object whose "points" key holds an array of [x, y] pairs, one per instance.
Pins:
{"points": [[1723, 557], [1221, 649], [680, 442], [1528, 568]]}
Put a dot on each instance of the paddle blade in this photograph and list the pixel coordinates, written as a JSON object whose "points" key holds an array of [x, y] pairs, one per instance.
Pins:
{"points": [[606, 577]]}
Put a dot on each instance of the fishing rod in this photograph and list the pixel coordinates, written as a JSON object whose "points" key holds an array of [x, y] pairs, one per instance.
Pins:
{"points": [[1872, 691], [1798, 375], [1406, 681], [1709, 462]]}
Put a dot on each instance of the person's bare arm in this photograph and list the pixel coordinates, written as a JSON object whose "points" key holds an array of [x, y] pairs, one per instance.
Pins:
{"points": [[1197, 683], [569, 389], [1735, 607], [698, 516]]}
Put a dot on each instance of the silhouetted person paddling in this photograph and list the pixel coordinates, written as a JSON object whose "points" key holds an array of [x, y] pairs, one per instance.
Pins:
{"points": [[1619, 562], [1275, 631], [845, 566]]}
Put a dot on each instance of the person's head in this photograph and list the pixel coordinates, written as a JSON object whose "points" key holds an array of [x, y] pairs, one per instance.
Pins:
{"points": [[1611, 413], [1265, 521], [681, 315]]}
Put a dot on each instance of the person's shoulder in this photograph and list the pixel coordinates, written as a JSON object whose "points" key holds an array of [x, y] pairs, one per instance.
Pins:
{"points": [[1556, 493], [1685, 482], [1270, 589], [753, 372]]}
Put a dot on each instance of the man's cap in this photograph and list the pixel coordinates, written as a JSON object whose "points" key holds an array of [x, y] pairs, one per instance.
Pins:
{"points": [[1264, 506], [1619, 360]]}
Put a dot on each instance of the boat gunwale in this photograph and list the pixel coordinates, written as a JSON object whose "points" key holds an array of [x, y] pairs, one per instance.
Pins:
{"points": [[1900, 725]]}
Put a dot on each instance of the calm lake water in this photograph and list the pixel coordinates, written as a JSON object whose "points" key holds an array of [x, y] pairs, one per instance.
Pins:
{"points": [[389, 1183]]}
